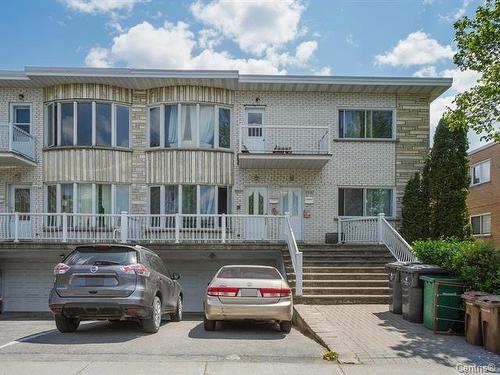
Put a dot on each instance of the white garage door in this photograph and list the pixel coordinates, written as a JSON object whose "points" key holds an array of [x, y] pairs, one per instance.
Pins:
{"points": [[196, 274], [26, 285]]}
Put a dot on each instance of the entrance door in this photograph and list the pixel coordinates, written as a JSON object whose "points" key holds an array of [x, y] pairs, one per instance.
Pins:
{"points": [[254, 134], [255, 204], [291, 203], [20, 201]]}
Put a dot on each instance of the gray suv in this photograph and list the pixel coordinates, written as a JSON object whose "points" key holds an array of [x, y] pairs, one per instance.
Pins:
{"points": [[114, 282]]}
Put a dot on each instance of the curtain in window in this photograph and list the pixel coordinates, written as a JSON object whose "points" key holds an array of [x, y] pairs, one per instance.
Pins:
{"points": [[207, 199], [354, 124], [171, 125], [206, 126], [84, 205], [188, 121], [350, 202], [121, 199], [104, 199], [171, 199], [224, 128]]}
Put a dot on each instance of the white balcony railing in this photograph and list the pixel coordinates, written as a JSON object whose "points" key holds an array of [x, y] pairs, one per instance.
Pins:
{"points": [[285, 140], [375, 229], [13, 139]]}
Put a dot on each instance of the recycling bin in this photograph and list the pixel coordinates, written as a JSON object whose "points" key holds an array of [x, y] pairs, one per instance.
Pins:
{"points": [[443, 310], [395, 293], [412, 289], [490, 322], [473, 331]]}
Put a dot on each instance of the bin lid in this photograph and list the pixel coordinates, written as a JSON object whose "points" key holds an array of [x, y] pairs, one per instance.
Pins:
{"points": [[473, 295], [491, 300], [423, 269], [434, 278], [398, 265]]}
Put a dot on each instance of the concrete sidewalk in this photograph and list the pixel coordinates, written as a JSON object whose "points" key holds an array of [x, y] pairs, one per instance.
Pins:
{"points": [[371, 335]]}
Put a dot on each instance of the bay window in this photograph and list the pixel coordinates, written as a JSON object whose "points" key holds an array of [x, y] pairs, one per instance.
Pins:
{"points": [[86, 123], [361, 123], [365, 202], [189, 125]]}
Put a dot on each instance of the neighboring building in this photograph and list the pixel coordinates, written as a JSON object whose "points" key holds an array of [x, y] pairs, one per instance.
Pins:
{"points": [[484, 192], [79, 146]]}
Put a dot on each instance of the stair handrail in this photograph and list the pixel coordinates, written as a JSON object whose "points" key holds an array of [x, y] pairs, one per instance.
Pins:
{"points": [[392, 239], [295, 255]]}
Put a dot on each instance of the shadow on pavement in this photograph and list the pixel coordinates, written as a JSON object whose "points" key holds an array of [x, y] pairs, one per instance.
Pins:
{"points": [[238, 331], [442, 349], [28, 316]]}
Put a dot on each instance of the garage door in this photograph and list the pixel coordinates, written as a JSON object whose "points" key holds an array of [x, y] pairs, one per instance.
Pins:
{"points": [[26, 285], [196, 274]]}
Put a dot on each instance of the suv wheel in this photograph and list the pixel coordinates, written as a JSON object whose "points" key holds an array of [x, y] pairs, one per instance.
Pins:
{"points": [[177, 315], [152, 324], [285, 326], [66, 325], [209, 325]]}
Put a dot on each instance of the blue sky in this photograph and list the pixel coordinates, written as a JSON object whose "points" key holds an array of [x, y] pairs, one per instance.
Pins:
{"points": [[338, 37]]}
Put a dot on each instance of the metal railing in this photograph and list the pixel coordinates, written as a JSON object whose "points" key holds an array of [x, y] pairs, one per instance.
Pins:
{"points": [[285, 140], [375, 229], [14, 139], [295, 256]]}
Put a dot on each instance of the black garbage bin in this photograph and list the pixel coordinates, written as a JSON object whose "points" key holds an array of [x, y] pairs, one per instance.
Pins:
{"points": [[395, 293], [412, 294]]}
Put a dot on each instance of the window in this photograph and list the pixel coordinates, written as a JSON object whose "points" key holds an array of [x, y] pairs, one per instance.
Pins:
{"points": [[21, 117], [67, 198], [171, 199], [480, 172], [365, 202], [121, 199], [357, 123], [189, 199], [52, 199], [84, 198], [481, 224], [207, 200], [190, 126], [255, 120], [87, 124], [84, 121]]}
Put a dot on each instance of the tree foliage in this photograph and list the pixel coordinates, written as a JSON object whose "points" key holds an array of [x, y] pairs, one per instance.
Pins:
{"points": [[478, 42]]}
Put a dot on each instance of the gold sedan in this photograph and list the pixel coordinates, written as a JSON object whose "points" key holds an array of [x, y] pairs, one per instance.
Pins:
{"points": [[248, 293]]}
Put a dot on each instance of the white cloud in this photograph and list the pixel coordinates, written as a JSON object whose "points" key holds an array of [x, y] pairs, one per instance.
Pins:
{"points": [[458, 13], [254, 25], [209, 38], [100, 6], [426, 71], [350, 40], [417, 49], [305, 51], [324, 71], [98, 58]]}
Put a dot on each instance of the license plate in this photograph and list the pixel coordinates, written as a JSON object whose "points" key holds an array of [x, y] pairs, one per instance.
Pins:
{"points": [[250, 292]]}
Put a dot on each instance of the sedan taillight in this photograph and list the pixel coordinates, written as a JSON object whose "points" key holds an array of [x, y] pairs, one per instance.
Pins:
{"points": [[222, 291], [138, 269], [275, 292], [61, 268]]}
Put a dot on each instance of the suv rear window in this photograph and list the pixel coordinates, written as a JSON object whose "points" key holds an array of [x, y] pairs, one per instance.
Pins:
{"points": [[248, 273], [114, 255]]}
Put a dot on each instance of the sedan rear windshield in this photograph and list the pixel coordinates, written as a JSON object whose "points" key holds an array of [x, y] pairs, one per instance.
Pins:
{"points": [[89, 256], [249, 273]]}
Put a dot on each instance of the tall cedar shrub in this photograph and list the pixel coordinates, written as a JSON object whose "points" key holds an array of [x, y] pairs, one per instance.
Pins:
{"points": [[411, 227], [425, 201], [449, 181]]}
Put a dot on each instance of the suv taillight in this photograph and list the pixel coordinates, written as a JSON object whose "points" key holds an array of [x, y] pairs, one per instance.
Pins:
{"points": [[138, 269], [222, 291], [275, 292], [61, 269]]}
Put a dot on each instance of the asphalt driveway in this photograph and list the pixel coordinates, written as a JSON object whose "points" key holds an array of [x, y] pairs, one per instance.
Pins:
{"points": [[35, 346]]}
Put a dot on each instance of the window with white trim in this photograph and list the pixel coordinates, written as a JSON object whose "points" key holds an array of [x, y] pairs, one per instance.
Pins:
{"points": [[365, 202], [366, 123], [21, 116], [87, 123], [189, 126], [480, 172], [481, 224]]}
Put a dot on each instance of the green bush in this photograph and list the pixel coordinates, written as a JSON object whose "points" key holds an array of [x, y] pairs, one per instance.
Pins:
{"points": [[478, 263]]}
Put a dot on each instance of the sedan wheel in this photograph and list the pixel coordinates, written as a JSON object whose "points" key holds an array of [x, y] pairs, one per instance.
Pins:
{"points": [[209, 325], [152, 324], [177, 315]]}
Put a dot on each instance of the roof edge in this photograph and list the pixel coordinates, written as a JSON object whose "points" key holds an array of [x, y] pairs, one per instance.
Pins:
{"points": [[482, 148]]}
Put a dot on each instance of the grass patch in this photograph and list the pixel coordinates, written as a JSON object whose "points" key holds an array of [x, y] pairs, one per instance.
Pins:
{"points": [[330, 356]]}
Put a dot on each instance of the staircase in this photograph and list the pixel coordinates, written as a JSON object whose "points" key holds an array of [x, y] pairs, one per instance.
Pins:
{"points": [[342, 274]]}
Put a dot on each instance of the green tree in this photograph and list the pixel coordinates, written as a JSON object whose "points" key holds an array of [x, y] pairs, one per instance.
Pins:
{"points": [[478, 42], [411, 227], [449, 182], [425, 201]]}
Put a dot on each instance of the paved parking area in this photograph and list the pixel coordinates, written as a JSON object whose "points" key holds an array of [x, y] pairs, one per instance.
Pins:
{"points": [[371, 335], [35, 346]]}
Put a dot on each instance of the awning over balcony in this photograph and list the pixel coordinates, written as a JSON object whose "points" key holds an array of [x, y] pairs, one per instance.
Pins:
{"points": [[11, 159], [282, 161]]}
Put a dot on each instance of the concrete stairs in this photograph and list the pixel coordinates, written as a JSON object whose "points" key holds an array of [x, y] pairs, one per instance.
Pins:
{"points": [[342, 274]]}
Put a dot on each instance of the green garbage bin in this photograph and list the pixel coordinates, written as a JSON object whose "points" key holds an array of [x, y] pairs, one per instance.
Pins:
{"points": [[444, 310]]}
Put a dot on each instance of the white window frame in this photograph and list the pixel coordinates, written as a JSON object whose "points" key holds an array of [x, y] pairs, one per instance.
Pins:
{"points": [[478, 164], [12, 106], [196, 128], [365, 188], [481, 224], [342, 108]]}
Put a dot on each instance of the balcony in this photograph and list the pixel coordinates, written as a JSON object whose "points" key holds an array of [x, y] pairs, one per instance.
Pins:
{"points": [[17, 148], [284, 147]]}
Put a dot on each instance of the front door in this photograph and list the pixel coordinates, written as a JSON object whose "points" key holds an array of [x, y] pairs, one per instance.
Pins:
{"points": [[20, 201], [291, 204], [255, 205]]}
